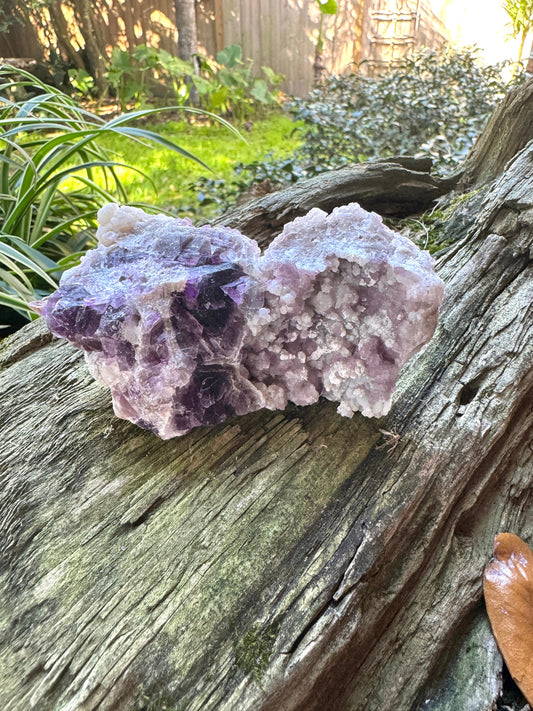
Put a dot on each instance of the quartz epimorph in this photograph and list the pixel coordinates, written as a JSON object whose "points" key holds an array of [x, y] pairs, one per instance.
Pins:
{"points": [[190, 325]]}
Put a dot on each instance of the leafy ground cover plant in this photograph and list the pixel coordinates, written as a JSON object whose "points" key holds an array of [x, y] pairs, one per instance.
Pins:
{"points": [[55, 174], [431, 104]]}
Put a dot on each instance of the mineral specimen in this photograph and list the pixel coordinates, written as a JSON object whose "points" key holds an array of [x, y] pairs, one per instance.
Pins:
{"points": [[190, 325]]}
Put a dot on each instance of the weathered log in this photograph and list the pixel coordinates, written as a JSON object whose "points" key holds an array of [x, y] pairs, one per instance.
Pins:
{"points": [[508, 130], [293, 560], [399, 187]]}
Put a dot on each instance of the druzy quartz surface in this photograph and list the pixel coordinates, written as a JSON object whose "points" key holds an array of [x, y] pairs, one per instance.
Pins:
{"points": [[189, 325]]}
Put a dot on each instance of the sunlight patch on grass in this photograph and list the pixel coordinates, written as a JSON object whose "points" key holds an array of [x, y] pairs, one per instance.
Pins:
{"points": [[173, 176]]}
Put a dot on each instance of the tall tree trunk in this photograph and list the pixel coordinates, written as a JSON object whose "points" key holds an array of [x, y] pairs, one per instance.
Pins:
{"points": [[127, 13], [63, 35], [188, 38], [318, 63], [522, 43], [95, 53], [186, 24], [529, 65]]}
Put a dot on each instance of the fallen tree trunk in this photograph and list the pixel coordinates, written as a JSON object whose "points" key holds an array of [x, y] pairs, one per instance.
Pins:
{"points": [[290, 560], [398, 187]]}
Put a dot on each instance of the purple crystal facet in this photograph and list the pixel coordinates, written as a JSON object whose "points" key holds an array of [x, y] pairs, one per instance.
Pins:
{"points": [[188, 326]]}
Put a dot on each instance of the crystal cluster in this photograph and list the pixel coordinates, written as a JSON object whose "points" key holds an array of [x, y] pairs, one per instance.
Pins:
{"points": [[190, 325]]}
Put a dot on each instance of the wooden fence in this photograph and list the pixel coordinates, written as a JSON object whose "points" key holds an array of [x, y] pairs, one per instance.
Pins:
{"points": [[281, 34]]}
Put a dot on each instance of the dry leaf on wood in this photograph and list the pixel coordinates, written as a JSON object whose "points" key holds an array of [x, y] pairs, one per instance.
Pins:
{"points": [[508, 589]]}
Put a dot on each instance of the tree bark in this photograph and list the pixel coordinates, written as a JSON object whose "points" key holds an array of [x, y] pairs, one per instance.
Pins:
{"points": [[63, 35], [287, 560], [186, 24], [127, 14], [188, 40], [95, 53], [508, 130]]}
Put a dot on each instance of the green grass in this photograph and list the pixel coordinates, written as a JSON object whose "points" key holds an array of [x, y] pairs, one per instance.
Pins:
{"points": [[173, 176]]}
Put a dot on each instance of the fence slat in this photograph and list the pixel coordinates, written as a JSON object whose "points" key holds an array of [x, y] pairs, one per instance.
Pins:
{"points": [[281, 34]]}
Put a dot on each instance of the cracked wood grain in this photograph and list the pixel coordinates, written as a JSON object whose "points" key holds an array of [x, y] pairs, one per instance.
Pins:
{"points": [[279, 560]]}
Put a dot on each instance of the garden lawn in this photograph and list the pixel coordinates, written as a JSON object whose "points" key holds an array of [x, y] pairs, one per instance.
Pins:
{"points": [[172, 177]]}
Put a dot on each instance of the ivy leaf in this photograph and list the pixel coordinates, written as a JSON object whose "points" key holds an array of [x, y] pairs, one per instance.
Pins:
{"points": [[328, 7], [508, 589]]}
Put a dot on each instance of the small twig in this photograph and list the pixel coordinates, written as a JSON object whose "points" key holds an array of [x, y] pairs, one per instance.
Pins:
{"points": [[391, 441]]}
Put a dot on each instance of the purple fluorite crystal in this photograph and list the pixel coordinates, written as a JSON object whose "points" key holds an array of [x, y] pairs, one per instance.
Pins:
{"points": [[188, 326]]}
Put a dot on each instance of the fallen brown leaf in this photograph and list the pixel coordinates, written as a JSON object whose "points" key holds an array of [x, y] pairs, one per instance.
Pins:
{"points": [[508, 588]]}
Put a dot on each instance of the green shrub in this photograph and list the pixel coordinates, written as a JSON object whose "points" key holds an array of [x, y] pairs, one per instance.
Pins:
{"points": [[82, 82], [432, 104], [219, 195], [226, 86], [54, 176], [131, 76], [232, 87]]}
